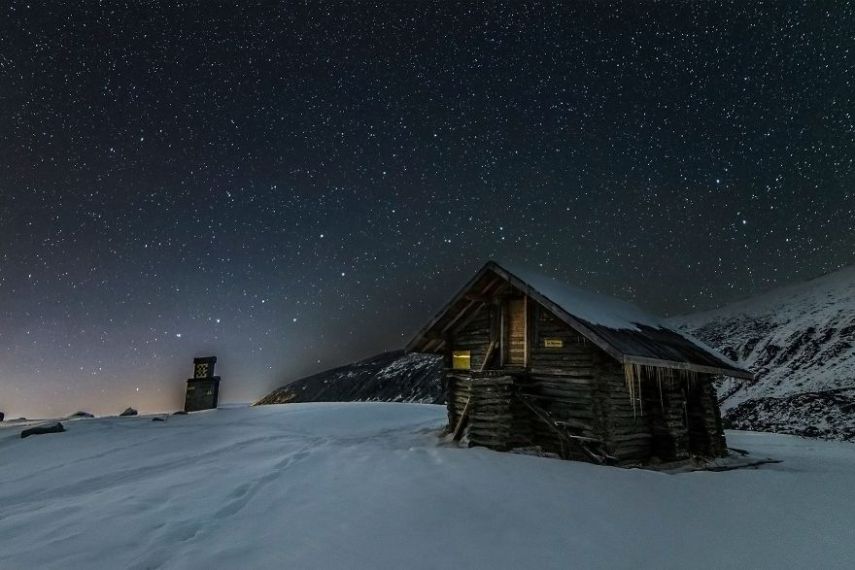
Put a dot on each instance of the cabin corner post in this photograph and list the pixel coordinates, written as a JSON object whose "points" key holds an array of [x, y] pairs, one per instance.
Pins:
{"points": [[720, 447], [712, 420], [448, 393], [457, 396], [602, 401]]}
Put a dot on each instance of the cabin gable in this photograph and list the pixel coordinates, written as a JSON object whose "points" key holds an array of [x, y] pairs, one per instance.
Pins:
{"points": [[509, 329]]}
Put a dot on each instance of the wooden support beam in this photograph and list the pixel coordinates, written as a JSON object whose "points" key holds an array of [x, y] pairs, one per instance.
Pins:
{"points": [[488, 355], [476, 297], [469, 305], [461, 423], [564, 437]]}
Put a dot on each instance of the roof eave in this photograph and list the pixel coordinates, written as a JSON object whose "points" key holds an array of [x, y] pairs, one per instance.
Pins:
{"points": [[699, 368]]}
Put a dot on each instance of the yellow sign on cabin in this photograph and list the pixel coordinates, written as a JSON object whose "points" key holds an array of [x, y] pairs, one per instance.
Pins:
{"points": [[553, 343]]}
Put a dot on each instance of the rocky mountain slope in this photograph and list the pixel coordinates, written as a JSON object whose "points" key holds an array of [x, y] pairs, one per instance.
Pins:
{"points": [[387, 377], [800, 342], [828, 414]]}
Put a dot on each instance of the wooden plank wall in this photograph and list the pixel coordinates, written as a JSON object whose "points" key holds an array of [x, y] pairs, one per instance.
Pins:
{"points": [[490, 421], [563, 382], [516, 319], [475, 335], [627, 428]]}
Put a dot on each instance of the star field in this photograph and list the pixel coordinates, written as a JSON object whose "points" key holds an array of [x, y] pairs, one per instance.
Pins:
{"points": [[292, 186]]}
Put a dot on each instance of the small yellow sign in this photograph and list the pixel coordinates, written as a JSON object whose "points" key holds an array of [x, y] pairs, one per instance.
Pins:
{"points": [[553, 343]]}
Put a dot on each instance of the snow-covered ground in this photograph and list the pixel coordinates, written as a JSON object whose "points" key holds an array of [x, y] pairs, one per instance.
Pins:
{"points": [[367, 485]]}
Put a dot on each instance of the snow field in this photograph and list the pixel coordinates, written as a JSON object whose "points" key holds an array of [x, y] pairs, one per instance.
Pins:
{"points": [[369, 485]]}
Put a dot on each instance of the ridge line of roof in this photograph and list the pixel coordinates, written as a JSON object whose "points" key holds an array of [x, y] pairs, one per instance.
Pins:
{"points": [[585, 326]]}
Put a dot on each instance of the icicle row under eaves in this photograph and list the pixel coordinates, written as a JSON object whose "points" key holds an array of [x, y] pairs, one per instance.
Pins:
{"points": [[634, 373]]}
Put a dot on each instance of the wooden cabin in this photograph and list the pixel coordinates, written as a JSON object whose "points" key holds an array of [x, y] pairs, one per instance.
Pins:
{"points": [[533, 363]]}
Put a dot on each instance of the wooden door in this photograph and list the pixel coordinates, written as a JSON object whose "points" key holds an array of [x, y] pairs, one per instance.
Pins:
{"points": [[516, 348]]}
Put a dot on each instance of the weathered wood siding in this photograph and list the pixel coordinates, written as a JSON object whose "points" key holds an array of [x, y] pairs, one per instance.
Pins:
{"points": [[627, 428], [475, 335], [516, 331], [577, 352], [562, 381]]}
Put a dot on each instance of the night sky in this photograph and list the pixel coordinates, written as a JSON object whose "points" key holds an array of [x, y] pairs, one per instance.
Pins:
{"points": [[294, 186]]}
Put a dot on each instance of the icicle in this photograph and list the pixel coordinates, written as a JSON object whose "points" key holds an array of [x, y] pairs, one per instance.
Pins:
{"points": [[628, 374]]}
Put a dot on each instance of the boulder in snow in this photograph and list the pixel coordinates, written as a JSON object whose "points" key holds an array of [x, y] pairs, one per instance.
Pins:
{"points": [[43, 429], [81, 415], [129, 412]]}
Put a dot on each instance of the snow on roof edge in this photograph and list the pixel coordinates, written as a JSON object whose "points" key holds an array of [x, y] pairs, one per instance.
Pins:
{"points": [[594, 308]]}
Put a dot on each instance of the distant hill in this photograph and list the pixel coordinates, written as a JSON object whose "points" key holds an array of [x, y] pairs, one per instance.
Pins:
{"points": [[800, 342], [387, 377]]}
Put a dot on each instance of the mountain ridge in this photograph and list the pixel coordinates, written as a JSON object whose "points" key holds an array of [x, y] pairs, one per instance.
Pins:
{"points": [[797, 338], [799, 341], [393, 376]]}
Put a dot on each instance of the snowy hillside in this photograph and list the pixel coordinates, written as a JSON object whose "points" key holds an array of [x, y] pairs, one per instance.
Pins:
{"points": [[829, 414], [387, 377], [369, 485], [797, 339]]}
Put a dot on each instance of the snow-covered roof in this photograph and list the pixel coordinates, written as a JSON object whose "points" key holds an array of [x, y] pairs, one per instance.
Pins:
{"points": [[624, 331], [591, 307]]}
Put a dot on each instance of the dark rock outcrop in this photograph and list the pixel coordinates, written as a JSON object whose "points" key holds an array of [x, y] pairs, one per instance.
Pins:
{"points": [[43, 429], [387, 377], [2, 416], [81, 415], [128, 412], [829, 414]]}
